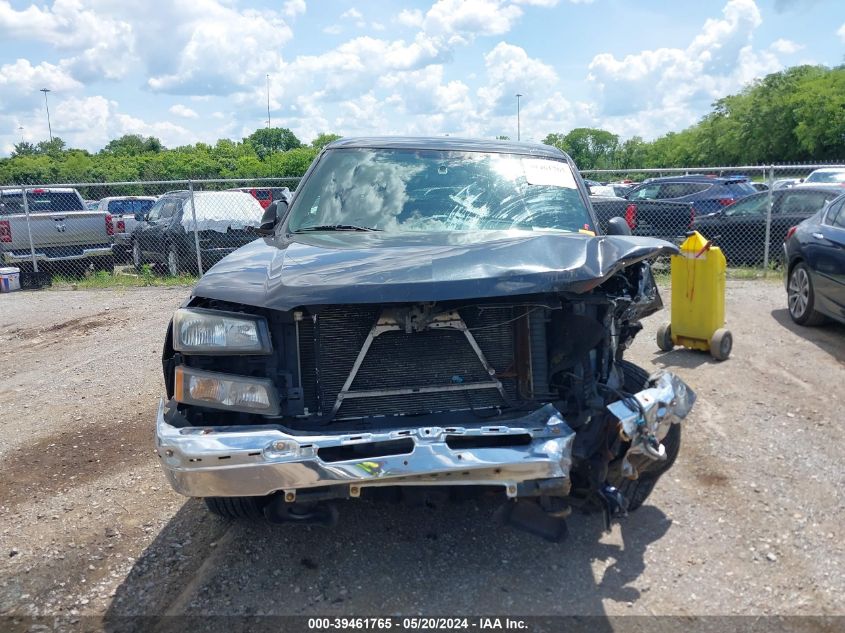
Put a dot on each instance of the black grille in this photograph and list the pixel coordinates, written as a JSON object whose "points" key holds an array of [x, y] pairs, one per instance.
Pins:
{"points": [[400, 360]]}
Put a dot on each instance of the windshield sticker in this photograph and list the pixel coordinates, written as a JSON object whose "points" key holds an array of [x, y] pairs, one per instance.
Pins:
{"points": [[553, 173]]}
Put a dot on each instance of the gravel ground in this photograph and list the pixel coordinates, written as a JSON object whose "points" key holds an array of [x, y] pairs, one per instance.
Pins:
{"points": [[749, 521]]}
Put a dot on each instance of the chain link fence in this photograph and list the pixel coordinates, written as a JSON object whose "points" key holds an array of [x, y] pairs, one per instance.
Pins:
{"points": [[176, 230], [170, 229], [746, 210]]}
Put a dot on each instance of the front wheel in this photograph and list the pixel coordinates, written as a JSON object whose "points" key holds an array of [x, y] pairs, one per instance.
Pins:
{"points": [[801, 297], [251, 508]]}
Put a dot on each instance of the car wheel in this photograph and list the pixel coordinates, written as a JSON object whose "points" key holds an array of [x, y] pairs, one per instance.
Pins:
{"points": [[636, 491], [174, 262], [801, 298], [137, 258], [236, 507]]}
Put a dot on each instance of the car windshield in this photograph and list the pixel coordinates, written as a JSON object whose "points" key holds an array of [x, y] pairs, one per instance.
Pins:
{"points": [[130, 206], [826, 176], [429, 191]]}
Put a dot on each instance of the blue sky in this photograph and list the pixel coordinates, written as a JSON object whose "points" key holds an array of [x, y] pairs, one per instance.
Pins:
{"points": [[196, 70]]}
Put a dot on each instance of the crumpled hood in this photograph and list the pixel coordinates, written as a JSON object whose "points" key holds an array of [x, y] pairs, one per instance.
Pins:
{"points": [[283, 273]]}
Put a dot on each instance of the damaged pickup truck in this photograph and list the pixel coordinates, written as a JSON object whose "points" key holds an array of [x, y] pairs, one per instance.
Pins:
{"points": [[427, 315]]}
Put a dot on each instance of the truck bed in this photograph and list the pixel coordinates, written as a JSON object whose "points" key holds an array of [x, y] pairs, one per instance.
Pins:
{"points": [[650, 218]]}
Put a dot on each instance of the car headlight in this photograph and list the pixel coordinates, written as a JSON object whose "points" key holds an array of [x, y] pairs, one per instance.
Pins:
{"points": [[198, 331], [225, 391]]}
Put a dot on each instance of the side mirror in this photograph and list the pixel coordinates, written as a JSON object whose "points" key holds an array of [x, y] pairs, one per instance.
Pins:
{"points": [[618, 226], [273, 214], [140, 216]]}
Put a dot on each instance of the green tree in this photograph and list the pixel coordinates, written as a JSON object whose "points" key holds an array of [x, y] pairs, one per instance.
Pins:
{"points": [[323, 139], [590, 148], [24, 149], [274, 139], [133, 145], [52, 148]]}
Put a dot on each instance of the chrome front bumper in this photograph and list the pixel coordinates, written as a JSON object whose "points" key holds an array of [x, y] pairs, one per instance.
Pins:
{"points": [[257, 461], [204, 462]]}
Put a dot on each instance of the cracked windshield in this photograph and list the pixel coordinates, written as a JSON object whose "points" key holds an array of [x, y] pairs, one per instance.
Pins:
{"points": [[427, 191]]}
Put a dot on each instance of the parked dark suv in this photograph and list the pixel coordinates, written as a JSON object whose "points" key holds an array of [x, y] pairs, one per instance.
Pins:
{"points": [[707, 193], [224, 221]]}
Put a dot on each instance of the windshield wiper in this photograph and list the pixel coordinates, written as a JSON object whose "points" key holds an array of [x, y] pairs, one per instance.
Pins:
{"points": [[336, 227]]}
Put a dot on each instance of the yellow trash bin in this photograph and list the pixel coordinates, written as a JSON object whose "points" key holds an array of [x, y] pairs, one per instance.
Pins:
{"points": [[698, 300]]}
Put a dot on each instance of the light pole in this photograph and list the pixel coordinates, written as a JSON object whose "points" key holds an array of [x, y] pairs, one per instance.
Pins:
{"points": [[49, 127], [518, 135], [268, 101], [20, 129]]}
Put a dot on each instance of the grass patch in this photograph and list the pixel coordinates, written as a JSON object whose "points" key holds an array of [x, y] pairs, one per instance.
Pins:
{"points": [[121, 279]]}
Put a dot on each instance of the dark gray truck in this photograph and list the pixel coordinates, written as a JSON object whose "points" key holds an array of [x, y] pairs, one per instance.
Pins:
{"points": [[66, 238], [665, 219]]}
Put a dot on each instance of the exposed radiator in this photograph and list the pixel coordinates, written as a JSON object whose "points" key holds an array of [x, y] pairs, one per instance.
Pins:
{"points": [[397, 360]]}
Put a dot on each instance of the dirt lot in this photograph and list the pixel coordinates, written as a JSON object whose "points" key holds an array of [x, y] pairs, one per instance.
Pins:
{"points": [[748, 522]]}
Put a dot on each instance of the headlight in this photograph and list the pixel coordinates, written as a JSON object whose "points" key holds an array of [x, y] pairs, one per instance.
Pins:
{"points": [[197, 331], [224, 391]]}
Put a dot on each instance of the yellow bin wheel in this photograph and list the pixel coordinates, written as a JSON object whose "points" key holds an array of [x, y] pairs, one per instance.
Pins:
{"points": [[664, 337], [721, 343]]}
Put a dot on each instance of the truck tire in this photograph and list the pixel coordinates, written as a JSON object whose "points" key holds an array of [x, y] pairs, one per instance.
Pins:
{"points": [[636, 491], [236, 507]]}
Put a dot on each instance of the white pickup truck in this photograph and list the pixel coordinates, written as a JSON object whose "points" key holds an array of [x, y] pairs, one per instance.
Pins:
{"points": [[65, 237]]}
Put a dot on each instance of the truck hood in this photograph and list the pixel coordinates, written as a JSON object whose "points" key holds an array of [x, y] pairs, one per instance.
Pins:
{"points": [[285, 272]]}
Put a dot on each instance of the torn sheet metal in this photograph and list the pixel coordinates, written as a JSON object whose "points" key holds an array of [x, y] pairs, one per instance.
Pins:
{"points": [[646, 416]]}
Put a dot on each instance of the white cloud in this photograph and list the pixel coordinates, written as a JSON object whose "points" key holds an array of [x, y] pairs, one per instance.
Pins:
{"points": [[786, 47], [410, 17], [841, 32], [183, 111], [197, 47], [293, 8], [69, 25], [355, 16], [652, 90], [463, 19], [91, 122], [20, 82], [333, 29], [218, 50]]}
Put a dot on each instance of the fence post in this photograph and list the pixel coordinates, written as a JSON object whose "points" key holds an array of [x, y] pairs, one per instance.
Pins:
{"points": [[29, 230], [196, 228], [768, 219]]}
